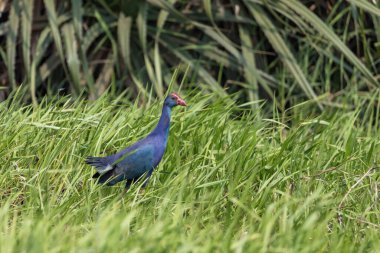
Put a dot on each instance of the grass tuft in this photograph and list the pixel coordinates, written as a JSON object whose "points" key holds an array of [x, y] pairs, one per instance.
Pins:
{"points": [[229, 182]]}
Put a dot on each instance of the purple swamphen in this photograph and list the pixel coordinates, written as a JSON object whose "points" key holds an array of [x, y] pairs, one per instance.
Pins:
{"points": [[141, 157]]}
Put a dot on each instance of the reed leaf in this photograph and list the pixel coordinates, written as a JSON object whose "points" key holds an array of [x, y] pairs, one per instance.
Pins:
{"points": [[12, 34], [282, 49]]}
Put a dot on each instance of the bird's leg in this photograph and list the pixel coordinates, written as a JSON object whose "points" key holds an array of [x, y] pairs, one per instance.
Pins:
{"points": [[128, 184], [146, 179], [133, 180]]}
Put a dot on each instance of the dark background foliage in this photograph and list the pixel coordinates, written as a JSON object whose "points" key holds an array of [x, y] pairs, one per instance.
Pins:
{"points": [[281, 50]]}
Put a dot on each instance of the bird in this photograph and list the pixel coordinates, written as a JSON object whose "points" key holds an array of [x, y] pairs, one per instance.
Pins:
{"points": [[139, 159]]}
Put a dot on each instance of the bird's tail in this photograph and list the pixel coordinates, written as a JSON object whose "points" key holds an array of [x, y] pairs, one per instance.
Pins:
{"points": [[104, 170], [106, 177], [101, 164]]}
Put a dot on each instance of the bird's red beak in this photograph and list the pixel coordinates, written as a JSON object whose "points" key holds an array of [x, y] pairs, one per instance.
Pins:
{"points": [[180, 101]]}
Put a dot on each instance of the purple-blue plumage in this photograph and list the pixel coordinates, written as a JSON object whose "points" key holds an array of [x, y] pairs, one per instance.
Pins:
{"points": [[141, 157]]}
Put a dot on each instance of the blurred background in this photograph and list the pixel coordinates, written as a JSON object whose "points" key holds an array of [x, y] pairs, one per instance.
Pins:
{"points": [[282, 51]]}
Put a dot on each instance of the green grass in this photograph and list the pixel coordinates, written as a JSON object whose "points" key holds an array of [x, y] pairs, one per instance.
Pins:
{"points": [[230, 181]]}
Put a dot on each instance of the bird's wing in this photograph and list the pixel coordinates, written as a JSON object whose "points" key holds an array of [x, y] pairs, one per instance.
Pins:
{"points": [[135, 162]]}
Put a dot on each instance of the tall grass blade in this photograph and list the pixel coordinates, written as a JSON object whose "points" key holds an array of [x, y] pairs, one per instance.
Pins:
{"points": [[54, 26], [367, 6], [162, 17], [26, 31], [249, 58], [124, 27], [141, 23], [72, 59], [14, 16]]}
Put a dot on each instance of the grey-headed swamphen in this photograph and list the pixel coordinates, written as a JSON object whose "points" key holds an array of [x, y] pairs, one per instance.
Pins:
{"points": [[141, 157]]}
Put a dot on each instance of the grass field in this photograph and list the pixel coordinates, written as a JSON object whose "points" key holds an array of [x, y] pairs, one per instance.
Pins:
{"points": [[232, 180]]}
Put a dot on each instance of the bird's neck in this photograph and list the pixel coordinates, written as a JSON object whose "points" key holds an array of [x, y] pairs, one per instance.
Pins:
{"points": [[164, 123]]}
